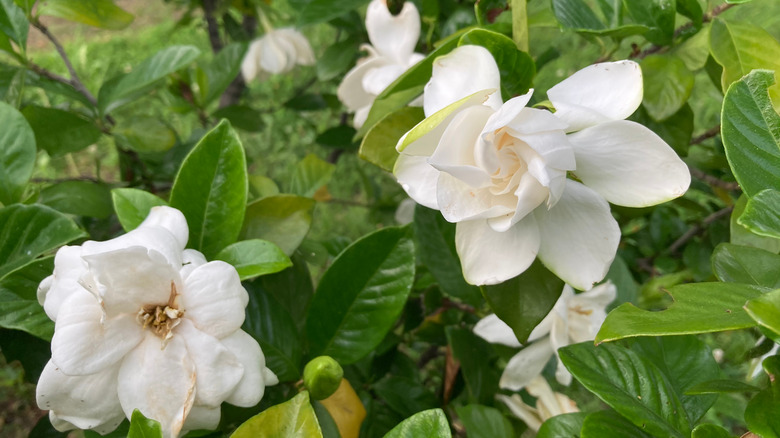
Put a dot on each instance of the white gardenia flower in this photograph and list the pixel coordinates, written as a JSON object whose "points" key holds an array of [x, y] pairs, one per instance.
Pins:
{"points": [[548, 404], [574, 318], [142, 323], [499, 170], [277, 51], [390, 54]]}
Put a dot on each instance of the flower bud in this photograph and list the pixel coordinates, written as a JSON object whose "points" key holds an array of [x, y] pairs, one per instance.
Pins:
{"points": [[322, 377]]}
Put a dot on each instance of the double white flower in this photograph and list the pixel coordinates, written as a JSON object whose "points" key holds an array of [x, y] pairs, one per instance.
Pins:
{"points": [[390, 54], [142, 323], [278, 51], [499, 170], [548, 404]]}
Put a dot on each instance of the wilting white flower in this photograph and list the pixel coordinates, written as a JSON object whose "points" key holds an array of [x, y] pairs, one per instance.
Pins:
{"points": [[390, 53], [755, 367], [141, 323], [548, 404], [499, 170], [574, 318], [277, 51]]}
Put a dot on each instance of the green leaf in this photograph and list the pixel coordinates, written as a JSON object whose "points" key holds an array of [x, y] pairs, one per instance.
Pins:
{"points": [[241, 116], [274, 329], [13, 22], [517, 69], [743, 264], [60, 132], [145, 134], [657, 15], [761, 413], [668, 84], [525, 300], [27, 231], [436, 246], [81, 198], [564, 425], [98, 13], [578, 16], [378, 146], [630, 384], [740, 235], [32, 352], [337, 59], [765, 310], [17, 154], [750, 129], [475, 356], [710, 431], [426, 424], [282, 219], [676, 130], [691, 9], [520, 23], [485, 422], [221, 71], [142, 427], [294, 418], [318, 11], [697, 308], [405, 395], [762, 214], [133, 205], [339, 137], [720, 387], [292, 287], [361, 295], [144, 77], [309, 175], [610, 424], [253, 258], [741, 48], [211, 190], [19, 307]]}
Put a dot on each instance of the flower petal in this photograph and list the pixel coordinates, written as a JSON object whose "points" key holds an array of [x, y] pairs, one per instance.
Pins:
{"points": [[492, 329], [529, 415], [157, 238], [509, 111], [159, 382], [579, 236], [214, 299], [169, 219], [527, 364], [628, 164], [277, 54], [598, 93], [490, 257], [202, 417], [418, 179], [250, 65], [351, 92], [455, 153], [256, 377], [376, 80], [304, 55], [84, 402], [84, 343], [190, 259], [394, 37], [64, 282], [460, 73]]}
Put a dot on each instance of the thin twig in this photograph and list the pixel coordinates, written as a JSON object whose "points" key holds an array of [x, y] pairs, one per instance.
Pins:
{"points": [[209, 7], [62, 180], [698, 228], [712, 132], [711, 180]]}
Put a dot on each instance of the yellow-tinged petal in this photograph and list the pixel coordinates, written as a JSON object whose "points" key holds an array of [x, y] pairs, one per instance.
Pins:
{"points": [[346, 409]]}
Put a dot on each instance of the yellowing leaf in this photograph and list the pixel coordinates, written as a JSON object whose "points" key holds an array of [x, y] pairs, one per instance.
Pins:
{"points": [[346, 409]]}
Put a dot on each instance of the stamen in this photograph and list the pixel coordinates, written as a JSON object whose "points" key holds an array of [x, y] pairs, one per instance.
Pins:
{"points": [[161, 319]]}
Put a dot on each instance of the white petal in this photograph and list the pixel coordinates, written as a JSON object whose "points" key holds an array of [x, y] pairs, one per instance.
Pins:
{"points": [[351, 92], [156, 238], [628, 164], [159, 382], [375, 81], [525, 365], [277, 54], [492, 329], [597, 94], [85, 402], [169, 219], [218, 370], [361, 115], [53, 290], [534, 121], [508, 112], [256, 377], [250, 65], [190, 260], [529, 415], [393, 37], [460, 73], [579, 236], [529, 194], [455, 153], [304, 55], [202, 417], [214, 300], [84, 343], [418, 179], [490, 257]]}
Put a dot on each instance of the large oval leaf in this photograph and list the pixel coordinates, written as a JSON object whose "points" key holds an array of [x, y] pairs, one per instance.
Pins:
{"points": [[60, 132], [361, 295], [485, 422], [98, 13], [378, 146], [743, 264], [762, 214], [19, 307], [80, 198], [133, 205], [426, 424], [17, 153], [765, 310], [294, 418], [610, 424], [255, 257], [13, 22], [211, 190], [282, 219], [667, 85]]}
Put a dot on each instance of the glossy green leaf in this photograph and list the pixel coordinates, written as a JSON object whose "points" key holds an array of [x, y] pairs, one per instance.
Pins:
{"points": [[578, 16], [691, 9], [242, 117], [475, 356], [485, 422], [523, 301], [610, 424], [17, 154], [743, 264], [436, 247], [60, 132], [98, 13], [309, 175], [221, 71], [13, 22], [292, 287], [307, 102], [720, 386], [19, 307], [657, 15], [282, 219], [145, 134], [697, 308], [378, 146], [564, 425], [361, 295], [710, 431], [133, 205], [761, 413], [762, 214], [253, 258], [750, 129], [406, 396], [667, 83], [337, 59], [144, 77], [630, 384], [211, 190], [426, 424], [328, 426], [338, 137], [765, 310], [27, 231], [81, 198], [294, 418], [318, 11], [740, 235], [142, 427]]}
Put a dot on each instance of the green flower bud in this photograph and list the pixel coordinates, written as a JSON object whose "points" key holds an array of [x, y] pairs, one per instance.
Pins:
{"points": [[322, 377]]}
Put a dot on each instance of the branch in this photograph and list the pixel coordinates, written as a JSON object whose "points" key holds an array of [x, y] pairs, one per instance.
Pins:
{"points": [[698, 228], [209, 7], [712, 132], [711, 180]]}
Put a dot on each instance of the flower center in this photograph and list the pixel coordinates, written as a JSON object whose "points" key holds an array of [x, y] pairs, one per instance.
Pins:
{"points": [[161, 318]]}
